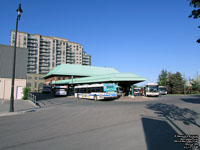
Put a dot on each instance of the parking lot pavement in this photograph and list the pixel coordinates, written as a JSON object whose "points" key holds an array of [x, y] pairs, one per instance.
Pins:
{"points": [[136, 98], [70, 123], [20, 107]]}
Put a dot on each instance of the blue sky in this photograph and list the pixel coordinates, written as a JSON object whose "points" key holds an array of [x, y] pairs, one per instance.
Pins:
{"points": [[141, 37]]}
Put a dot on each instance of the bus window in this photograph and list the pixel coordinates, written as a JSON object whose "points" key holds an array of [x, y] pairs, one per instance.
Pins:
{"points": [[99, 89]]}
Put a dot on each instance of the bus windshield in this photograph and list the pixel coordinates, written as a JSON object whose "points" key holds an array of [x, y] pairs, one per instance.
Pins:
{"points": [[152, 88], [110, 88], [163, 89]]}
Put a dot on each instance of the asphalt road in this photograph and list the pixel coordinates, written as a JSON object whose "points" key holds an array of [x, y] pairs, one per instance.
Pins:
{"points": [[73, 124]]}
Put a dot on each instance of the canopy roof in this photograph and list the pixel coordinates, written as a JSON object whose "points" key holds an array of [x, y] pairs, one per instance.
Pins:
{"points": [[80, 70], [114, 77]]}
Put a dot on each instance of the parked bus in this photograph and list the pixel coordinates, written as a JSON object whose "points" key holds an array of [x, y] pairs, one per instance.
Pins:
{"points": [[151, 89], [60, 91], [163, 90], [96, 91]]}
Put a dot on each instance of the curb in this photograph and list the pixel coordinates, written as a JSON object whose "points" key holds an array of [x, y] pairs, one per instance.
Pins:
{"points": [[17, 112], [11, 113]]}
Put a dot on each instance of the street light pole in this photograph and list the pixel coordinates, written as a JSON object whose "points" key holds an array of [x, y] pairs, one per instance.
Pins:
{"points": [[19, 11]]}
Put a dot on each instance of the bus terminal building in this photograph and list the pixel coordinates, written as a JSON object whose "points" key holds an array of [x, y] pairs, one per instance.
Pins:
{"points": [[72, 75]]}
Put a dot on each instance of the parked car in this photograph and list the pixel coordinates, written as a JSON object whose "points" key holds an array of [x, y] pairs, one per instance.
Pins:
{"points": [[60, 91], [46, 89]]}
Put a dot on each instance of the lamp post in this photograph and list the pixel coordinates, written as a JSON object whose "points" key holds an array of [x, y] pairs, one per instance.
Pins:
{"points": [[19, 11]]}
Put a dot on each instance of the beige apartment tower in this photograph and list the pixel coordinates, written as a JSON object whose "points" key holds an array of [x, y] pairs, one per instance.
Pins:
{"points": [[45, 53]]}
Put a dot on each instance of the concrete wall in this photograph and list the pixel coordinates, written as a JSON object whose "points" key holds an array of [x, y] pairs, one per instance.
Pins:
{"points": [[5, 88]]}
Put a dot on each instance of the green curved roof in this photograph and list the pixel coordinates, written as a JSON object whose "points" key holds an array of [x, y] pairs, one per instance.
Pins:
{"points": [[115, 77], [80, 70]]}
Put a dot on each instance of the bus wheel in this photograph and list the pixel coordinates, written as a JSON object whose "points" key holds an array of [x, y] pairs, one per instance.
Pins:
{"points": [[95, 97]]}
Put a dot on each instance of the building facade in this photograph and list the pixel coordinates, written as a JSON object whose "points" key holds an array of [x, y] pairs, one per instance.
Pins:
{"points": [[35, 82], [45, 53], [6, 64]]}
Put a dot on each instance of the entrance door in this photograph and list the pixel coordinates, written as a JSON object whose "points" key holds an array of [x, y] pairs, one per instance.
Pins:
{"points": [[19, 92]]}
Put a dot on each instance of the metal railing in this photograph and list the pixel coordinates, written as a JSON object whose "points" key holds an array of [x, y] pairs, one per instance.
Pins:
{"points": [[33, 98]]}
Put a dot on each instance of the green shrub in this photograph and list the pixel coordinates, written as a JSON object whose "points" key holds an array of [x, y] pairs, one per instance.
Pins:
{"points": [[26, 90]]}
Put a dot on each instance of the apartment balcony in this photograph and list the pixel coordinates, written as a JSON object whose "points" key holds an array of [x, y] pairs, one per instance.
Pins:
{"points": [[32, 45], [44, 65], [58, 50], [44, 68], [69, 62], [44, 55], [45, 42], [58, 45], [58, 63], [32, 56], [32, 48], [32, 60], [44, 61], [58, 58], [70, 58], [31, 67], [32, 41], [70, 54], [43, 71], [44, 51], [58, 55], [32, 63], [84, 62], [44, 58], [31, 71], [45, 46], [32, 53]]}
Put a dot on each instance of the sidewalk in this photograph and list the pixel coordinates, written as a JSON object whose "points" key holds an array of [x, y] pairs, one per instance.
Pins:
{"points": [[20, 107]]}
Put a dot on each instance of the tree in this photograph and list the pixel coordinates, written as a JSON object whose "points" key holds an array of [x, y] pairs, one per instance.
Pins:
{"points": [[162, 78], [196, 12], [178, 83], [175, 83], [169, 83], [196, 84]]}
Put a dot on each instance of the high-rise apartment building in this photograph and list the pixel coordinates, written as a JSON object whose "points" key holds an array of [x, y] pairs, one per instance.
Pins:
{"points": [[45, 53]]}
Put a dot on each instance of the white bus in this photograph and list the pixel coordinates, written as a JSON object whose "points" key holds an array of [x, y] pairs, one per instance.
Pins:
{"points": [[163, 90], [151, 89], [96, 91], [60, 91]]}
